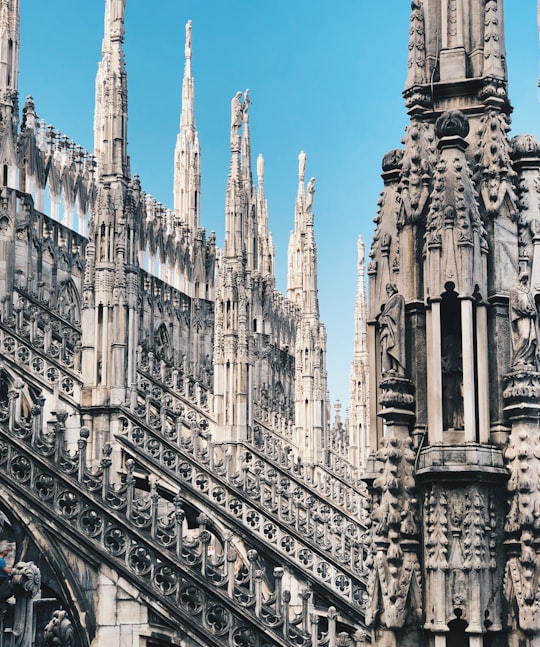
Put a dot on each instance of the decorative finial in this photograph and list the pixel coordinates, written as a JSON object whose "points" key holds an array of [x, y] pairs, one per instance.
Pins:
{"points": [[301, 166], [260, 169], [247, 102], [188, 39], [115, 13], [310, 194], [361, 253]]}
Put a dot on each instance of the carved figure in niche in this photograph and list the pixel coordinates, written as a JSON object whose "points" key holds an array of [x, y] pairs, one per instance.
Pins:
{"points": [[392, 332], [67, 305], [451, 359], [523, 324], [452, 379]]}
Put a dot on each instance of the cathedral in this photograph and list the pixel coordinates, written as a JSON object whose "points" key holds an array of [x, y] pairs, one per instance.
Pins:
{"points": [[169, 471]]}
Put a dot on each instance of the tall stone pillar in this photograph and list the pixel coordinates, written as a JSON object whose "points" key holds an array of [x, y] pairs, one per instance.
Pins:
{"points": [[522, 536], [394, 600]]}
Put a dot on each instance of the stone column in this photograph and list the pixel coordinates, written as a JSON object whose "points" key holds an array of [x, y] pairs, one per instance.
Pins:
{"points": [[522, 538], [394, 586], [482, 377], [469, 391], [434, 374]]}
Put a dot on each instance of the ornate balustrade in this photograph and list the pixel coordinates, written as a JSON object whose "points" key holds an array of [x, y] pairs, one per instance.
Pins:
{"points": [[46, 361], [164, 405], [337, 479], [163, 383], [145, 537], [299, 525]]}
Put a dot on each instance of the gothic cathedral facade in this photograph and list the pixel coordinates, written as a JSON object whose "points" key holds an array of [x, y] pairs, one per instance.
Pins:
{"points": [[168, 469]]}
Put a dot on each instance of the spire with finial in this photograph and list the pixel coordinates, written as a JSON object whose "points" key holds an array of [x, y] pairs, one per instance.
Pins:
{"points": [[266, 248], [302, 277], [9, 44], [9, 73], [359, 392], [187, 169], [110, 118], [187, 118], [246, 145], [235, 201], [311, 405], [111, 281]]}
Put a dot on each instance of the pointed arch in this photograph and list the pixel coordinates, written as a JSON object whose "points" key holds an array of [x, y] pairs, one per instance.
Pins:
{"points": [[69, 302], [162, 343]]}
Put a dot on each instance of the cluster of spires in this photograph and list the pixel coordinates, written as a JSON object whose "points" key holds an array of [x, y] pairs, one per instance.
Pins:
{"points": [[249, 238]]}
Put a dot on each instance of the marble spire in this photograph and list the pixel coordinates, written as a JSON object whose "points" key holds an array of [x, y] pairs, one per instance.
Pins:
{"points": [[9, 73], [187, 171], [110, 118], [9, 44]]}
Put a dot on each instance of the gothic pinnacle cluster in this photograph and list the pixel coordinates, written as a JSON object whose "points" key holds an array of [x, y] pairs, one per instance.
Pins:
{"points": [[452, 328], [166, 461], [163, 407]]}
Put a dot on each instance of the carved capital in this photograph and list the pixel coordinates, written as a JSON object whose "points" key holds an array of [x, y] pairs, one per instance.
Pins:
{"points": [[397, 398], [522, 394]]}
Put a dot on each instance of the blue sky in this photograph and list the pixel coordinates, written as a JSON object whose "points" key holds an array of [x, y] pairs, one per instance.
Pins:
{"points": [[324, 77]]}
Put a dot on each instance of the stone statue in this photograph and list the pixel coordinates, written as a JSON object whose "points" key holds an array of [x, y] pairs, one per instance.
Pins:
{"points": [[25, 584], [392, 331], [301, 165], [188, 39], [523, 324], [260, 168], [247, 103], [59, 632], [310, 193], [237, 113]]}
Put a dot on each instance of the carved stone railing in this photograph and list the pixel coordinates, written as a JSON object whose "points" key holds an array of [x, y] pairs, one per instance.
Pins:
{"points": [[44, 366], [160, 382], [163, 390], [324, 541], [171, 371], [40, 325], [337, 478], [160, 397], [144, 537], [168, 416]]}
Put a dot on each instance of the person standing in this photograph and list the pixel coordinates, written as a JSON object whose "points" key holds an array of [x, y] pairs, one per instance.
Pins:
{"points": [[5, 570]]}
